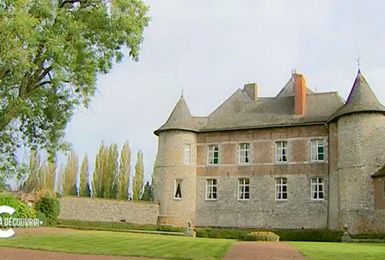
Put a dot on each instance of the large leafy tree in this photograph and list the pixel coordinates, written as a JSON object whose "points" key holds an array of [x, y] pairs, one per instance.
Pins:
{"points": [[50, 54]]}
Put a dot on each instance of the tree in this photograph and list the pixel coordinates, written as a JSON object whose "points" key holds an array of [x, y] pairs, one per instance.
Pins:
{"points": [[147, 192], [153, 179], [33, 172], [110, 172], [84, 188], [51, 52], [124, 172], [50, 175], [97, 177], [138, 181], [70, 172]]}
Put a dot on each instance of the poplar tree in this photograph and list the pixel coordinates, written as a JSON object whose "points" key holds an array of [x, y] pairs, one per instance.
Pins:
{"points": [[153, 179], [124, 172], [70, 172], [138, 181], [33, 172], [50, 174], [97, 177], [84, 189], [110, 171]]}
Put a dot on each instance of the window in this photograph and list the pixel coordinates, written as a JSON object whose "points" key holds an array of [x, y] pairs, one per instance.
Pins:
{"points": [[317, 150], [244, 153], [187, 154], [317, 188], [281, 188], [243, 189], [211, 189], [213, 154], [281, 151], [178, 189]]}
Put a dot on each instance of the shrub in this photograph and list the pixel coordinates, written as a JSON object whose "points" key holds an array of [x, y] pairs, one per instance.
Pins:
{"points": [[50, 207], [22, 210], [43, 219], [324, 235], [262, 236]]}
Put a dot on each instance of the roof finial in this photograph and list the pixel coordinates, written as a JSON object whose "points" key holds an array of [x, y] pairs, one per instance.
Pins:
{"points": [[181, 94], [358, 59]]}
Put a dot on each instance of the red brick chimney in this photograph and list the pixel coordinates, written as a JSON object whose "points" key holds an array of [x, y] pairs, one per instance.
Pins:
{"points": [[299, 94]]}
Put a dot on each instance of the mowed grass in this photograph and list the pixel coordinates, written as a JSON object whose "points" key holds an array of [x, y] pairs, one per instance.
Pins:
{"points": [[340, 251], [124, 244]]}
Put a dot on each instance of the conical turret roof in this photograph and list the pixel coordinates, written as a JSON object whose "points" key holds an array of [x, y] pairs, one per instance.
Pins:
{"points": [[361, 99], [180, 118]]}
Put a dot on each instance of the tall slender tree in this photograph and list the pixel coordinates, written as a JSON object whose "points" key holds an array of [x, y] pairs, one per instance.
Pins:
{"points": [[124, 172], [70, 172], [138, 181], [154, 178], [84, 187], [97, 177], [33, 172], [50, 174]]}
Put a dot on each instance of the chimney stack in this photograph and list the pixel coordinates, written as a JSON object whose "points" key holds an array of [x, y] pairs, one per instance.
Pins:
{"points": [[299, 94], [251, 89]]}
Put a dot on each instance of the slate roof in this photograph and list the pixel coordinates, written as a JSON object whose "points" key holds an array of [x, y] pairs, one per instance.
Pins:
{"points": [[181, 119], [361, 99], [379, 172], [240, 112]]}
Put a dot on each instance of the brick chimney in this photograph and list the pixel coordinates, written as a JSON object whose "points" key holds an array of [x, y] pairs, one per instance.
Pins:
{"points": [[251, 89], [299, 94]]}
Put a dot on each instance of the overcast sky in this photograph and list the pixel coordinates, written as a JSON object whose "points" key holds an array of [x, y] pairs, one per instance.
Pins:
{"points": [[211, 48]]}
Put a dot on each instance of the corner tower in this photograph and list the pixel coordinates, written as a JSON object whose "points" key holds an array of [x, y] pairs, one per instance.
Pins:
{"points": [[360, 132], [176, 167]]}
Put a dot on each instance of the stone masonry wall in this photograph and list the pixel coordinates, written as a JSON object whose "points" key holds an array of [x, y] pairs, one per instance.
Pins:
{"points": [[96, 209]]}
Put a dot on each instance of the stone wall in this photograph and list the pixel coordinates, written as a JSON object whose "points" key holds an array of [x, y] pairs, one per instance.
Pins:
{"points": [[262, 210], [96, 209]]}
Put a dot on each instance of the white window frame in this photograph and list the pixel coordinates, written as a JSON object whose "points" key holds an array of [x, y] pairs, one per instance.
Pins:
{"points": [[176, 181], [315, 145], [187, 154], [281, 152], [211, 189], [281, 189], [317, 188], [211, 150], [244, 153], [243, 189]]}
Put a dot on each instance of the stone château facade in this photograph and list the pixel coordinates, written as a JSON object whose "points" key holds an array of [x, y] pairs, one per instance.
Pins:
{"points": [[300, 159]]}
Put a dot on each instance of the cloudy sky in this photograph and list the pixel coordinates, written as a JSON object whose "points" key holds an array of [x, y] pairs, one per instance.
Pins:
{"points": [[211, 48]]}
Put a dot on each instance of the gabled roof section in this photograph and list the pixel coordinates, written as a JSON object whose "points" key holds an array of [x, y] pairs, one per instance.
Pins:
{"points": [[181, 119], [361, 99], [379, 172], [288, 89], [242, 113]]}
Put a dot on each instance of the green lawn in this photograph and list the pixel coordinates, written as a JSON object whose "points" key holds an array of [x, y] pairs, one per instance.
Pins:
{"points": [[127, 244], [341, 251]]}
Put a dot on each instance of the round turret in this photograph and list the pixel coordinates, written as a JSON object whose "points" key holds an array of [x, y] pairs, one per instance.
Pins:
{"points": [[176, 168], [361, 150]]}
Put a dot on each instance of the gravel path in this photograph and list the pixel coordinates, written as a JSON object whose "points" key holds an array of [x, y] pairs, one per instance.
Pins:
{"points": [[263, 251]]}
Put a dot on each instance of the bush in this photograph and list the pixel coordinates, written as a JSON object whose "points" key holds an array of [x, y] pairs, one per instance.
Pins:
{"points": [[22, 210], [228, 233], [116, 226], [43, 219], [50, 207], [323, 235], [262, 236]]}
